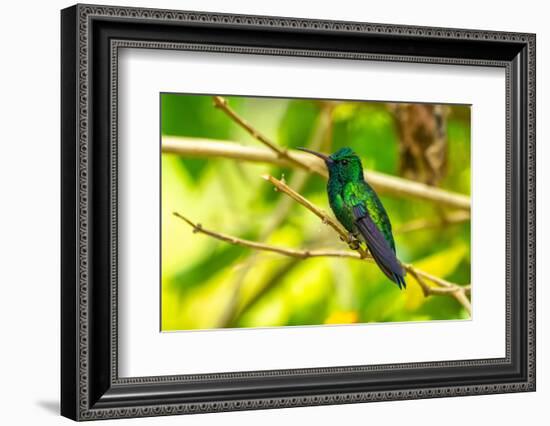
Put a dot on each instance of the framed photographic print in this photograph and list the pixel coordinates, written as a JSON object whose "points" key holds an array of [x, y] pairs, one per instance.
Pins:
{"points": [[263, 212]]}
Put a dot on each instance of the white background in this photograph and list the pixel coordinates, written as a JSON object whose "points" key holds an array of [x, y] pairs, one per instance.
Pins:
{"points": [[142, 347], [29, 225]]}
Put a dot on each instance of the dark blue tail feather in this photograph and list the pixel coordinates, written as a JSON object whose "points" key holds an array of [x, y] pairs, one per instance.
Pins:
{"points": [[400, 281], [382, 253]]}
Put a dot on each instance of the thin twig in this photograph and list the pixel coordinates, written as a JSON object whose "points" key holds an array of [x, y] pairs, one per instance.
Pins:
{"points": [[290, 252], [383, 183], [222, 104], [325, 218], [458, 292], [462, 298]]}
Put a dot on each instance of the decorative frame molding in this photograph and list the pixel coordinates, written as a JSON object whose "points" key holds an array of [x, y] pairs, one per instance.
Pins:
{"points": [[91, 37]]}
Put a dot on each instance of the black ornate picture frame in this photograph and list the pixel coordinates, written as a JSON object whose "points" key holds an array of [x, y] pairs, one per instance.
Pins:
{"points": [[91, 387]]}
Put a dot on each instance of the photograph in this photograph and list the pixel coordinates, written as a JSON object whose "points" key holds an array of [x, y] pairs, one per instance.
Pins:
{"points": [[279, 212], [265, 209]]}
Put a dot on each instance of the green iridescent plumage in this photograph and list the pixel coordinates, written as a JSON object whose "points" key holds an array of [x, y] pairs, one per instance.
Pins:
{"points": [[358, 208]]}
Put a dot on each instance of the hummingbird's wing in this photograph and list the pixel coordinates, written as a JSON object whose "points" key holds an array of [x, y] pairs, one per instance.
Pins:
{"points": [[381, 251]]}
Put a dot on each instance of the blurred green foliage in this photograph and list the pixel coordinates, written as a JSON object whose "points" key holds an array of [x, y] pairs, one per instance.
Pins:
{"points": [[199, 273]]}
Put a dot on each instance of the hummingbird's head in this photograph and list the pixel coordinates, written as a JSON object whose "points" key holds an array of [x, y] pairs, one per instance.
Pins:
{"points": [[344, 164]]}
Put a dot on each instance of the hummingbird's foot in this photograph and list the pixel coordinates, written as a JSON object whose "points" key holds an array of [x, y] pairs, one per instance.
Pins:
{"points": [[353, 242]]}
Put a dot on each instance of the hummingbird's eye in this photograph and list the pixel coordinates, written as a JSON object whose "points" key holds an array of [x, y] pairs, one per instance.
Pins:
{"points": [[344, 162]]}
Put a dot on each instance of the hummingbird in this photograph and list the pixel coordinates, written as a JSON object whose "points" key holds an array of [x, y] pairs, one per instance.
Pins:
{"points": [[358, 208]]}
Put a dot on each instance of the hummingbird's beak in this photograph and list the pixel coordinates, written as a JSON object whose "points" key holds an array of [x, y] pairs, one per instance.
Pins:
{"points": [[325, 157]]}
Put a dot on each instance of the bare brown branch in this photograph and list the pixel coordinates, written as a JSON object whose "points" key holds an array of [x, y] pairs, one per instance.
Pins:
{"points": [[447, 289], [301, 254], [384, 184], [286, 251]]}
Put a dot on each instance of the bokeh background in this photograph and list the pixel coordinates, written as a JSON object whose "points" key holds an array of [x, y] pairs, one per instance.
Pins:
{"points": [[207, 283]]}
